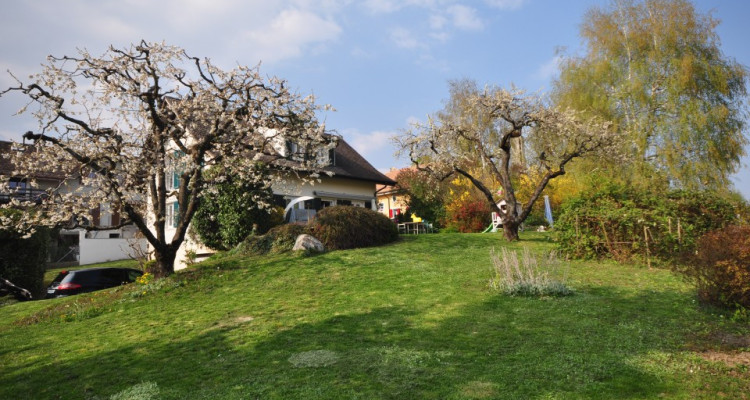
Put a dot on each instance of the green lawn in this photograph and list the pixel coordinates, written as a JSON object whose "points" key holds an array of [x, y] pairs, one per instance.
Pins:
{"points": [[411, 320]]}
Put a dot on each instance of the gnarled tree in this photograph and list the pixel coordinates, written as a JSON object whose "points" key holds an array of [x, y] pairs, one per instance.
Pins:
{"points": [[131, 121], [480, 132]]}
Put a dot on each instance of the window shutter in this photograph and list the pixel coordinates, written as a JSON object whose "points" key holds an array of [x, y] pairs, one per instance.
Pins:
{"points": [[176, 214], [175, 180], [115, 217], [95, 213]]}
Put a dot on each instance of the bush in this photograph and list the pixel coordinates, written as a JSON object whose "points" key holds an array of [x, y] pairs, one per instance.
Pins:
{"points": [[721, 267], [229, 213], [344, 227], [278, 239], [527, 278], [24, 260], [535, 219], [425, 195], [338, 228], [614, 220], [469, 216]]}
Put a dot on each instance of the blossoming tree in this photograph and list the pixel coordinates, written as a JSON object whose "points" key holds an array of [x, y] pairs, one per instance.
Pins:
{"points": [[127, 124], [480, 131]]}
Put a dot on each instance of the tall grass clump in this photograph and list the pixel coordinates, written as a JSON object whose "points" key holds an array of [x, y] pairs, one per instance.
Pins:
{"points": [[526, 277]]}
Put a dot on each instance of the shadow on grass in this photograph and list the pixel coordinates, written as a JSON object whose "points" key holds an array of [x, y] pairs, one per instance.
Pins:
{"points": [[582, 347]]}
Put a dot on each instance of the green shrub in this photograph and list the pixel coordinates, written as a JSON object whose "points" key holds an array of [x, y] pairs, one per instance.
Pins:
{"points": [[614, 220], [23, 260], [278, 239], [344, 227], [720, 267], [527, 277], [535, 219], [230, 211], [425, 195]]}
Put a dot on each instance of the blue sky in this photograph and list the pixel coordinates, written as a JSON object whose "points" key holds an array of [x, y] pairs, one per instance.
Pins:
{"points": [[379, 63]]}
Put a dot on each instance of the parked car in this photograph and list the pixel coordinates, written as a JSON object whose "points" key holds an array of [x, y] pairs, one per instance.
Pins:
{"points": [[89, 280]]}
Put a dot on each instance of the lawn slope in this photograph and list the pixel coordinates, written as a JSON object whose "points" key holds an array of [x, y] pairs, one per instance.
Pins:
{"points": [[410, 320]]}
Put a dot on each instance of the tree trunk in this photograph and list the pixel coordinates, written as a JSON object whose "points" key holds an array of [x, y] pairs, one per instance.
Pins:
{"points": [[164, 258], [510, 229]]}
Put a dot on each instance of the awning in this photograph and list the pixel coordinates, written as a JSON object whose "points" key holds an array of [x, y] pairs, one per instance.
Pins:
{"points": [[344, 196]]}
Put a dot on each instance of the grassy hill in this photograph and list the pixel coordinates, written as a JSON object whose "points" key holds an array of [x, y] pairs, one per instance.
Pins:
{"points": [[411, 320]]}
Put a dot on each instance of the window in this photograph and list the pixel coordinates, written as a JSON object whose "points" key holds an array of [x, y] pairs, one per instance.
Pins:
{"points": [[343, 202], [393, 198], [173, 172], [381, 207], [173, 214], [17, 183], [332, 157]]}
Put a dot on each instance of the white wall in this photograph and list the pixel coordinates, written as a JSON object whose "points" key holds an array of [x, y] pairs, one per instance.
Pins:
{"points": [[106, 249]]}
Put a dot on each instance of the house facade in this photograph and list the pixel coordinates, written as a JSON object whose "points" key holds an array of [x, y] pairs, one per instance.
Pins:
{"points": [[77, 246], [348, 179], [392, 199]]}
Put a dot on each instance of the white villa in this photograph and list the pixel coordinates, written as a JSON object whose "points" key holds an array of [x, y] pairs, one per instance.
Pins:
{"points": [[352, 183]]}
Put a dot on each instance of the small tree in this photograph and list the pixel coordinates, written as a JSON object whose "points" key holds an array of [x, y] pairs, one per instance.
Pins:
{"points": [[233, 209], [479, 132], [138, 126], [425, 195]]}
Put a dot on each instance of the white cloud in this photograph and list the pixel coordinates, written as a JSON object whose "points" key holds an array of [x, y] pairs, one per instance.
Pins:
{"points": [[390, 6], [358, 52], [383, 6], [437, 21], [506, 4], [288, 34], [465, 18], [549, 69], [371, 145], [404, 38]]}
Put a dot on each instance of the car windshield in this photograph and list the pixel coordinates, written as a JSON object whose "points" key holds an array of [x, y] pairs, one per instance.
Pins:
{"points": [[60, 276]]}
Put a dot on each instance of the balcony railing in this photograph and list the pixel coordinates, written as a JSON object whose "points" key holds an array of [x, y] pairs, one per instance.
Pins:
{"points": [[24, 195]]}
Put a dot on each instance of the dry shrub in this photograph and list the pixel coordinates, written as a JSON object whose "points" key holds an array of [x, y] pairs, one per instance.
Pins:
{"points": [[720, 267]]}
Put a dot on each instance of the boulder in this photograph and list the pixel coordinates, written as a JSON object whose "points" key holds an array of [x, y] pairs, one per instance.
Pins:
{"points": [[308, 243]]}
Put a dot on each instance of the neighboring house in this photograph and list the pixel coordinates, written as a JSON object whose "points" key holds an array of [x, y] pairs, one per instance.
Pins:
{"points": [[352, 183], [76, 246], [392, 199]]}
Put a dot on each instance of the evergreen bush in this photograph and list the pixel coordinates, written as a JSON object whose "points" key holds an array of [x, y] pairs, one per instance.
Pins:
{"points": [[24, 260], [345, 227], [228, 213]]}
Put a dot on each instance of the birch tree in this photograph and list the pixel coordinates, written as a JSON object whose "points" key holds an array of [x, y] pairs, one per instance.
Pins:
{"points": [[655, 68], [480, 133], [124, 122]]}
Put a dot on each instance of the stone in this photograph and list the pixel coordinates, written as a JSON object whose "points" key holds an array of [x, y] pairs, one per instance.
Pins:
{"points": [[309, 243]]}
